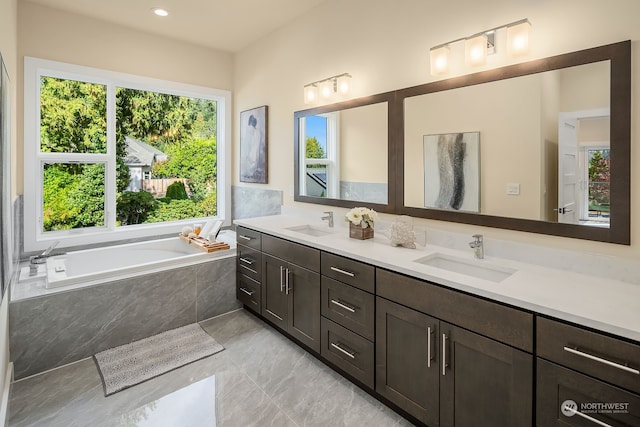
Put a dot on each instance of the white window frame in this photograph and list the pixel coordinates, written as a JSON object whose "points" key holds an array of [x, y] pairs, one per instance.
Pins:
{"points": [[332, 161], [34, 236]]}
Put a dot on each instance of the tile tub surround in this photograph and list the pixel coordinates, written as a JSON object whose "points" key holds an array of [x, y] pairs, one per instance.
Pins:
{"points": [[249, 202], [261, 379], [63, 327], [605, 304]]}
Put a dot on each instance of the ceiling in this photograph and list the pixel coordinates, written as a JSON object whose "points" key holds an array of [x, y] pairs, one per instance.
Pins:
{"points": [[228, 25]]}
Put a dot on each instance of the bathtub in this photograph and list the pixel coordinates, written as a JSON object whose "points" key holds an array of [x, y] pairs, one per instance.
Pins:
{"points": [[93, 266]]}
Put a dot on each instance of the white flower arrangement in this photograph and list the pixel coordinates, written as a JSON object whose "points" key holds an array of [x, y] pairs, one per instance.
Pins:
{"points": [[364, 217]]}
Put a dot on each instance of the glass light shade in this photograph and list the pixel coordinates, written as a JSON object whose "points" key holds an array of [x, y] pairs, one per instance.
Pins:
{"points": [[439, 60], [344, 85], [326, 89], [475, 50], [310, 94], [519, 39], [160, 12]]}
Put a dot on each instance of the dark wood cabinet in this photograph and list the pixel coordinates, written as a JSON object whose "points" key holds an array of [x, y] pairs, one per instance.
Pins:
{"points": [[291, 299], [407, 360], [447, 376], [568, 398], [483, 382]]}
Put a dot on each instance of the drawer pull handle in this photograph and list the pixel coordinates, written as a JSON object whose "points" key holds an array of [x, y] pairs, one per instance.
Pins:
{"points": [[281, 278], [245, 237], [340, 304], [247, 261], [429, 356], [573, 411], [601, 360], [345, 272], [248, 292], [274, 315], [351, 354], [286, 281]]}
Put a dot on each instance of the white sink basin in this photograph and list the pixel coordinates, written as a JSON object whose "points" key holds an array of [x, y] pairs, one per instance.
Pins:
{"points": [[473, 268], [312, 230]]}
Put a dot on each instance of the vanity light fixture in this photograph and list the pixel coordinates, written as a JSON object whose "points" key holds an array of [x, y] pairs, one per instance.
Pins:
{"points": [[160, 11], [329, 88], [478, 46]]}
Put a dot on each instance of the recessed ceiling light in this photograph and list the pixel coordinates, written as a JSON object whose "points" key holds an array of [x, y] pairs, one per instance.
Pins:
{"points": [[160, 11]]}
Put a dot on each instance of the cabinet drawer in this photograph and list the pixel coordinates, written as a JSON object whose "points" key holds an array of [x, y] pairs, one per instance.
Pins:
{"points": [[561, 391], [505, 324], [603, 357], [249, 238], [346, 270], [348, 306], [295, 253], [348, 351], [248, 292], [250, 262]]}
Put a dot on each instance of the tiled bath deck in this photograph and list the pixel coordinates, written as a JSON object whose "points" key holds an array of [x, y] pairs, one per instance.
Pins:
{"points": [[260, 379]]}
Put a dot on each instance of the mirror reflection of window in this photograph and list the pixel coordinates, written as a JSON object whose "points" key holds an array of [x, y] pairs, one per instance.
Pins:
{"points": [[321, 172]]}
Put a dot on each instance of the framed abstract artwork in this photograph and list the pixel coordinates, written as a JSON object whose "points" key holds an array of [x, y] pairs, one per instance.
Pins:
{"points": [[253, 145], [452, 171]]}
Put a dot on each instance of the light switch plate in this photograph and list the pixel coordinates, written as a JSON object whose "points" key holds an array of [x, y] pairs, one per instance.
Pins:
{"points": [[513, 189]]}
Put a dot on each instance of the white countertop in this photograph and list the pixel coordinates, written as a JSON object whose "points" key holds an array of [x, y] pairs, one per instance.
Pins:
{"points": [[604, 304]]}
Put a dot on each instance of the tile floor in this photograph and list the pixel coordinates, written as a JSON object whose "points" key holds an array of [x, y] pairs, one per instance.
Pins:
{"points": [[260, 379]]}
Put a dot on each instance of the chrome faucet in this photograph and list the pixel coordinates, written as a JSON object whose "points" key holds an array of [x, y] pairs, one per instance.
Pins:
{"points": [[42, 258], [477, 246], [329, 218]]}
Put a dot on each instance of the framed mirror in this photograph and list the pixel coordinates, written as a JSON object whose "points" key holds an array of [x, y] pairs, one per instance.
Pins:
{"points": [[542, 146], [345, 154]]}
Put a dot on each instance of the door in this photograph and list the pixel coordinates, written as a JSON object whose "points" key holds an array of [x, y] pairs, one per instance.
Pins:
{"points": [[568, 398], [302, 288], [483, 382], [407, 360], [567, 169], [274, 297]]}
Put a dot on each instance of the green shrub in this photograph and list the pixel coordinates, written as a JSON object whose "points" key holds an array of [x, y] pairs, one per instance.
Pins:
{"points": [[176, 191], [134, 207]]}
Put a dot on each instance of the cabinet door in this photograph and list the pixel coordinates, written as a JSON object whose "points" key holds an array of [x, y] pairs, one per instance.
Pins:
{"points": [[407, 360], [303, 289], [483, 382], [568, 398], [274, 297]]}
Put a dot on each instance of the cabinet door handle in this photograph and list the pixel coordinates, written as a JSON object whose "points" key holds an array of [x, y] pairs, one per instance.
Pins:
{"points": [[248, 292], [245, 237], [429, 356], [247, 261], [444, 354], [601, 360], [351, 354], [281, 279], [345, 272], [286, 279], [340, 304], [567, 408]]}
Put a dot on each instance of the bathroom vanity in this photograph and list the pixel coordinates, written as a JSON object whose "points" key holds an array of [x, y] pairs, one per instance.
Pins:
{"points": [[438, 344]]}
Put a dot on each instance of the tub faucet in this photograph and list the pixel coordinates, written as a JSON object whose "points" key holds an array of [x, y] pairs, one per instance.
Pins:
{"points": [[477, 246], [329, 218], [42, 258]]}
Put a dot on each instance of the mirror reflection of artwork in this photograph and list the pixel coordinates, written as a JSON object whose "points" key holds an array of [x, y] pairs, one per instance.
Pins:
{"points": [[253, 145], [452, 171]]}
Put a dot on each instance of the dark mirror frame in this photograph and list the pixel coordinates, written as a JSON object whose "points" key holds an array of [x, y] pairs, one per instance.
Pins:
{"points": [[620, 138], [392, 151]]}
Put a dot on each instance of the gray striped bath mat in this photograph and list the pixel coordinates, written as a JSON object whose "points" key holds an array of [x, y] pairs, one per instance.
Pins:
{"points": [[130, 364]]}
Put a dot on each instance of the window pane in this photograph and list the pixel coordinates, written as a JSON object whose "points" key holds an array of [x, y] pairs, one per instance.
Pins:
{"points": [[599, 183], [316, 137], [167, 157], [72, 116], [73, 196]]}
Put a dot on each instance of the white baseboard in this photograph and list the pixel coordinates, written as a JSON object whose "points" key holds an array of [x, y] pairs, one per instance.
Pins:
{"points": [[6, 391]]}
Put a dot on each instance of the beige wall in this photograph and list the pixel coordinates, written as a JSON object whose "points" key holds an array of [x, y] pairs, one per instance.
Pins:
{"points": [[51, 34], [363, 144], [8, 48], [385, 45]]}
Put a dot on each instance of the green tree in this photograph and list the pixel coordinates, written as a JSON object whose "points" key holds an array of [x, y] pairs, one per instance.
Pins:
{"points": [[313, 149], [134, 207], [176, 191]]}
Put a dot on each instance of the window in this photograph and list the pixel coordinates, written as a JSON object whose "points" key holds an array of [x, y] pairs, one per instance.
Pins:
{"points": [[321, 171], [110, 156], [597, 175]]}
